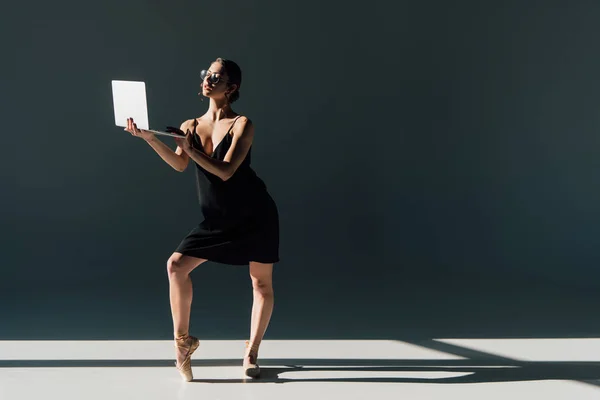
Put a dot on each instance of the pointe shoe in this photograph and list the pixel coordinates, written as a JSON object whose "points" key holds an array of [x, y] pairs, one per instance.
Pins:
{"points": [[190, 343], [251, 368]]}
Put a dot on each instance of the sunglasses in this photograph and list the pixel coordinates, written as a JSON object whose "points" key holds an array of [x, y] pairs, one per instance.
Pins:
{"points": [[212, 78]]}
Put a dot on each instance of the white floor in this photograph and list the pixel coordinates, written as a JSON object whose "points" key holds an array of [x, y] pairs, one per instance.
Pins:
{"points": [[323, 369]]}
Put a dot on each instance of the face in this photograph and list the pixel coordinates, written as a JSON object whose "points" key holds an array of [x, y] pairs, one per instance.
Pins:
{"points": [[215, 82]]}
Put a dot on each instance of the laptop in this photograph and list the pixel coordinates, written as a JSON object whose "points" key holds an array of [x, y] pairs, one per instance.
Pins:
{"points": [[129, 101]]}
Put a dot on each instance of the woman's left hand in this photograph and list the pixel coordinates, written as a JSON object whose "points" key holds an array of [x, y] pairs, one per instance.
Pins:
{"points": [[185, 142]]}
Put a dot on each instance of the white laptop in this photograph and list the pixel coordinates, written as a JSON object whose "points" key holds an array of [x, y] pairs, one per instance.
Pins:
{"points": [[129, 101]]}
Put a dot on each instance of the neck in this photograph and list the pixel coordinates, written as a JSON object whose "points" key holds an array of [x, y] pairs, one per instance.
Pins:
{"points": [[219, 109]]}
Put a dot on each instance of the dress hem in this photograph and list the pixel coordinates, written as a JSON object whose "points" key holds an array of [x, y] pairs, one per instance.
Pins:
{"points": [[229, 262]]}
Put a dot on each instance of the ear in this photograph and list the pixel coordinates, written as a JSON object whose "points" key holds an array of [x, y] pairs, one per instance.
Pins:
{"points": [[232, 88]]}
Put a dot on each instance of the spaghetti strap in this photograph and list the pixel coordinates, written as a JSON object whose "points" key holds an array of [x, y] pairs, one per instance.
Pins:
{"points": [[233, 123]]}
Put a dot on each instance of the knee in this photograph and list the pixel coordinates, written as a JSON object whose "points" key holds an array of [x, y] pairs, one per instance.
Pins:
{"points": [[262, 286], [175, 268]]}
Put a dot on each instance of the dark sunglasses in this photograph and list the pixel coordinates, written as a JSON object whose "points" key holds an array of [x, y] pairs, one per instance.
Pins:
{"points": [[212, 78]]}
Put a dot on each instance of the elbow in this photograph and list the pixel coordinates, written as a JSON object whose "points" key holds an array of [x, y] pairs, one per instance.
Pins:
{"points": [[181, 166], [227, 173]]}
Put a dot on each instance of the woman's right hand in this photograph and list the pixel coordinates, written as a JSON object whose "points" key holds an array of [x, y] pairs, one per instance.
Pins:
{"points": [[141, 133]]}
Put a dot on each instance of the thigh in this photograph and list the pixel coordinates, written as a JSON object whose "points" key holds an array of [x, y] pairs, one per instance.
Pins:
{"points": [[261, 272], [184, 263]]}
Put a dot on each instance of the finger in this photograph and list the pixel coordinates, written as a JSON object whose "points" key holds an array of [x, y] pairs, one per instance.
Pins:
{"points": [[172, 129]]}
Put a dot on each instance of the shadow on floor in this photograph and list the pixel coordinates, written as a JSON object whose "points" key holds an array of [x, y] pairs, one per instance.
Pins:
{"points": [[476, 371]]}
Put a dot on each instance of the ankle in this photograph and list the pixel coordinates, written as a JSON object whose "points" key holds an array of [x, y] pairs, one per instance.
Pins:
{"points": [[252, 347], [181, 337]]}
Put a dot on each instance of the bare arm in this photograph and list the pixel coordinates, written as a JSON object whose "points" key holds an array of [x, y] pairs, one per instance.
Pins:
{"points": [[243, 134], [177, 159]]}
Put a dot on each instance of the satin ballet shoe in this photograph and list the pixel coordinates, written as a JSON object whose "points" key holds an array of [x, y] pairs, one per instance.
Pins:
{"points": [[190, 343], [251, 368]]}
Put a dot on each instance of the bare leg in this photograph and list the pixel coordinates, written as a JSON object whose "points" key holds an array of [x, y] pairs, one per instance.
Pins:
{"points": [[179, 268], [262, 307]]}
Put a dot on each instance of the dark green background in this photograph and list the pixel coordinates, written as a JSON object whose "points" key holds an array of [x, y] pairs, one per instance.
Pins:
{"points": [[435, 165]]}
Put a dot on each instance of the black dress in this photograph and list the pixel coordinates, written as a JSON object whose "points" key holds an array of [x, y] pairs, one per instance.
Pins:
{"points": [[241, 221]]}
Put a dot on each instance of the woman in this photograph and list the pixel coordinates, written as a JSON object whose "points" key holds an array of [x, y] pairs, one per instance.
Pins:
{"points": [[240, 225]]}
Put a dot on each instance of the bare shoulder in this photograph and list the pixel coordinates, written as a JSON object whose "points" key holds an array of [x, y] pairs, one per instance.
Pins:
{"points": [[244, 126], [188, 124]]}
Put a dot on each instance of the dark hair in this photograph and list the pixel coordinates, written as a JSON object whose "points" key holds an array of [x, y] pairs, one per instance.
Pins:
{"points": [[234, 76]]}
